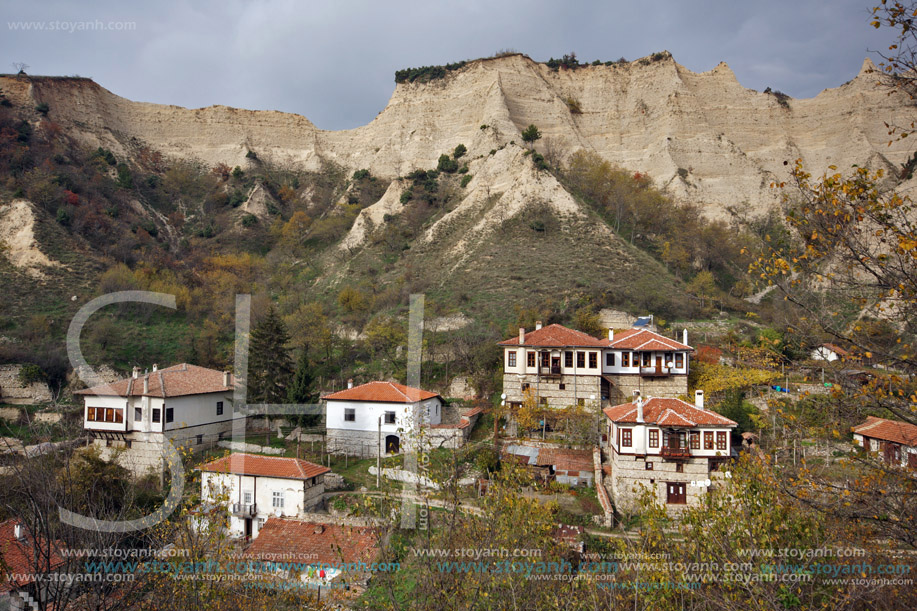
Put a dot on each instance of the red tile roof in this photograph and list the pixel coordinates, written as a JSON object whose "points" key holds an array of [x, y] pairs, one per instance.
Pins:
{"points": [[835, 349], [643, 339], [313, 542], [176, 381], [265, 466], [567, 460], [667, 412], [18, 557], [556, 336], [888, 430], [383, 392]]}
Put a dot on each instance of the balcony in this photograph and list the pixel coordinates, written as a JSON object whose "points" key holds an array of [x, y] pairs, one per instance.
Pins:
{"points": [[549, 372], [655, 372], [675, 453], [244, 510]]}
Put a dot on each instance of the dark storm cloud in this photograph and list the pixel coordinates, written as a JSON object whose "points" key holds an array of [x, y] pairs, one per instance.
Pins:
{"points": [[334, 62]]}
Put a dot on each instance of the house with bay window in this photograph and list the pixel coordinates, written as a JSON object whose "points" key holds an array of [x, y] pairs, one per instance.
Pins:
{"points": [[131, 418], [675, 449], [561, 367], [255, 488]]}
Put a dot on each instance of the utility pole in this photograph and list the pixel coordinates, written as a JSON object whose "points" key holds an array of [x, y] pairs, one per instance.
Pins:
{"points": [[379, 453]]}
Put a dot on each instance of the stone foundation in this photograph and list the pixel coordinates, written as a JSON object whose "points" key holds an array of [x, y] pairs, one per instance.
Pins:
{"points": [[629, 476], [141, 453], [574, 388], [622, 390]]}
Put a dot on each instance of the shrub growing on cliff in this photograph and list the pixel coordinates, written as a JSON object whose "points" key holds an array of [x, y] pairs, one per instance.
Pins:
{"points": [[447, 164], [459, 151], [531, 134]]}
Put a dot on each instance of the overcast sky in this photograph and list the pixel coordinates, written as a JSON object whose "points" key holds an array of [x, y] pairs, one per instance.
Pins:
{"points": [[334, 61]]}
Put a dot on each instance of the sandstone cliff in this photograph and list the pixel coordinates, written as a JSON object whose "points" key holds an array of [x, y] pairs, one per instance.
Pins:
{"points": [[702, 137]]}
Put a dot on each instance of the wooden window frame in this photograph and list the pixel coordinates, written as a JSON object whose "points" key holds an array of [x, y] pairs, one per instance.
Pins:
{"points": [[627, 438], [722, 443], [679, 360], [530, 358], [580, 359], [389, 418], [350, 414], [511, 358], [694, 440], [654, 438], [219, 408], [593, 360], [568, 359], [708, 440], [625, 359]]}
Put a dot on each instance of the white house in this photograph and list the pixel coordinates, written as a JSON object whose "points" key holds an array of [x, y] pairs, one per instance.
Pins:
{"points": [[667, 445], [379, 414], [829, 352], [563, 367], [256, 488], [187, 404], [894, 441]]}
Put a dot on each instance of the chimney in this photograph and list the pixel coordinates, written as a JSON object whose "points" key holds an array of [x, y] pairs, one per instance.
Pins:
{"points": [[350, 383], [537, 324], [699, 399], [638, 400], [225, 378], [146, 384], [136, 372], [155, 367], [521, 335], [684, 337], [611, 335]]}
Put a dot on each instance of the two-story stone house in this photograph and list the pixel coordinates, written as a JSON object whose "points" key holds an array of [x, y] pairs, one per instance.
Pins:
{"points": [[666, 445], [255, 488], [561, 367], [190, 405]]}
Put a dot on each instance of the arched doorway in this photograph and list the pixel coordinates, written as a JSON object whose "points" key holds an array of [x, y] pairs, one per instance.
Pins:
{"points": [[392, 444]]}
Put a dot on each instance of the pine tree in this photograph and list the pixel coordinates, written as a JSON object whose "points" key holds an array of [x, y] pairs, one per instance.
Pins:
{"points": [[300, 390], [270, 368]]}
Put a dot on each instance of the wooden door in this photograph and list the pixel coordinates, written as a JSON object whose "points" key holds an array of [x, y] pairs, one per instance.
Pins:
{"points": [[676, 493]]}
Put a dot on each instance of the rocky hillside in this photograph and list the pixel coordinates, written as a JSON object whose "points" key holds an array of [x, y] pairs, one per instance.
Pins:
{"points": [[704, 138]]}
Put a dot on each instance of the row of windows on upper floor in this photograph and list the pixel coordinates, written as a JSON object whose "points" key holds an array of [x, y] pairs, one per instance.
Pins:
{"points": [[116, 414], [628, 359], [677, 440]]}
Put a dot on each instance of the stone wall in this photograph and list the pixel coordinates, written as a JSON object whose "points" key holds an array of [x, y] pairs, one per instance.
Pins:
{"points": [[629, 474], [141, 453], [12, 390], [574, 387], [355, 443], [624, 386]]}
